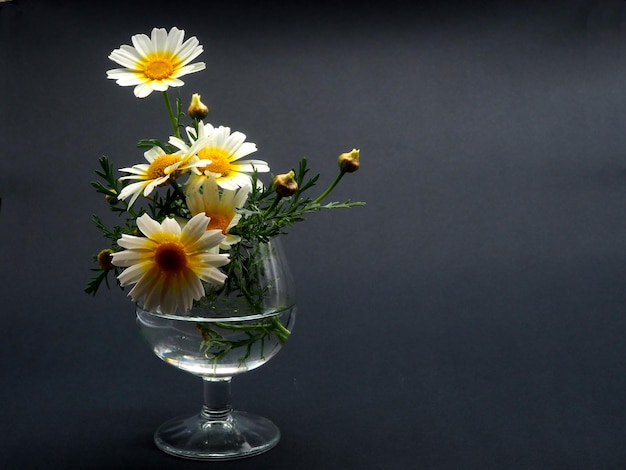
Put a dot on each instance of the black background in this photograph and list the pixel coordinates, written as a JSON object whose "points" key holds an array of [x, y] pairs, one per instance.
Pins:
{"points": [[470, 316]]}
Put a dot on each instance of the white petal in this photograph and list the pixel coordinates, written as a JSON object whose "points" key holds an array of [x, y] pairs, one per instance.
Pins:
{"points": [[152, 153], [228, 195], [129, 257], [212, 275], [142, 43], [169, 225], [131, 242], [140, 169], [148, 226], [194, 230], [242, 195], [210, 193], [168, 296], [149, 288], [234, 221], [133, 273], [194, 183], [249, 166], [230, 240], [153, 184], [195, 286], [194, 203], [191, 133], [119, 74], [134, 189], [178, 143], [189, 50], [175, 39], [187, 69], [229, 183], [129, 80], [123, 58], [159, 39], [214, 259], [158, 85], [246, 148], [142, 90]]}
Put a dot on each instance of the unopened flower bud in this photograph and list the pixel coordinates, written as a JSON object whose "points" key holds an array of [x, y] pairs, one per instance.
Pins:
{"points": [[349, 161], [197, 109], [105, 258], [286, 184], [111, 200]]}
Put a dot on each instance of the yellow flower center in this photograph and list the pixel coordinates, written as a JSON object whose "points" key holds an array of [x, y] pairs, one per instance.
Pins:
{"points": [[159, 164], [171, 257], [220, 160], [219, 222], [158, 68]]}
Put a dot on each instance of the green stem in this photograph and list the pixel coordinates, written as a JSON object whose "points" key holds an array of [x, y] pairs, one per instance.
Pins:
{"points": [[279, 329], [272, 206], [246, 342], [173, 119], [330, 188], [240, 327], [282, 332], [178, 189]]}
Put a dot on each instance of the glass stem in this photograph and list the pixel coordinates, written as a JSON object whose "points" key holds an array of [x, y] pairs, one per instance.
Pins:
{"points": [[217, 399]]}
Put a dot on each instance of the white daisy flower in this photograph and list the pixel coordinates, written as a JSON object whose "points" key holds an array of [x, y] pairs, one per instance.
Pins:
{"points": [[169, 264], [160, 168], [157, 62], [225, 151], [222, 210]]}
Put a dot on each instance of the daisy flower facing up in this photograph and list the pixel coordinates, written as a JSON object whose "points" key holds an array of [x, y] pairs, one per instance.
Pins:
{"points": [[169, 264], [225, 151], [160, 168], [222, 210], [157, 62]]}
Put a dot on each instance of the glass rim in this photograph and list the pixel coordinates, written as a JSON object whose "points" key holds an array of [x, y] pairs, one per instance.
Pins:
{"points": [[189, 316]]}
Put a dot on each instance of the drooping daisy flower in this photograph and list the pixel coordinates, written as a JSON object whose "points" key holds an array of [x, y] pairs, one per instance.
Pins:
{"points": [[157, 62], [224, 150], [222, 210], [160, 168], [169, 264]]}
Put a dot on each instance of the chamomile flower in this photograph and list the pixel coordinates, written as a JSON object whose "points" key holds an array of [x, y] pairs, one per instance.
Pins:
{"points": [[169, 264], [225, 150], [222, 210], [157, 62], [160, 168]]}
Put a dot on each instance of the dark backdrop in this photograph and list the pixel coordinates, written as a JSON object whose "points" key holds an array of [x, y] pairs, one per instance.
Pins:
{"points": [[470, 316]]}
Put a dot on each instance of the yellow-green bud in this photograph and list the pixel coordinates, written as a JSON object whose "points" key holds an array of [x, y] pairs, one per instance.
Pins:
{"points": [[349, 161], [104, 259], [197, 109], [111, 200], [285, 184]]}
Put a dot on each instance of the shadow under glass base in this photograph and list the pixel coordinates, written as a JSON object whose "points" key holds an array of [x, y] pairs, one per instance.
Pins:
{"points": [[237, 436]]}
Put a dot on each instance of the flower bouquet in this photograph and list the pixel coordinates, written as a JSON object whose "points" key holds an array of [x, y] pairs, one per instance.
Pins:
{"points": [[197, 240]]}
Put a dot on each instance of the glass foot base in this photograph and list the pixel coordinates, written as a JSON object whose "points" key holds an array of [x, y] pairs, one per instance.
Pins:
{"points": [[198, 438]]}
